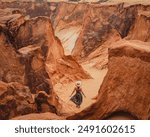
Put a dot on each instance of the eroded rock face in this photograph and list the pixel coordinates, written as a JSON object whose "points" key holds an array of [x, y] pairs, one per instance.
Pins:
{"points": [[72, 14], [126, 86], [27, 65], [37, 77], [32, 9], [89, 24], [15, 100], [67, 23], [39, 33], [141, 28], [11, 69], [38, 55], [99, 32], [98, 25], [31, 45], [99, 57]]}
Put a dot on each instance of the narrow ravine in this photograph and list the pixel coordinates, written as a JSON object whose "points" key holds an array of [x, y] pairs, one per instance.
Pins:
{"points": [[89, 86]]}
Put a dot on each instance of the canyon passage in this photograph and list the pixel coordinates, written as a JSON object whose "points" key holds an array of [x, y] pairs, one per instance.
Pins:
{"points": [[47, 46]]}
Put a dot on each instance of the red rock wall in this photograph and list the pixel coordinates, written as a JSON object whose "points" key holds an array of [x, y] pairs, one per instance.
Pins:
{"points": [[126, 87]]}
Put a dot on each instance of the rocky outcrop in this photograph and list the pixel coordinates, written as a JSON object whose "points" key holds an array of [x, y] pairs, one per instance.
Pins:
{"points": [[24, 68], [15, 100], [99, 23], [11, 69], [99, 57], [38, 32], [32, 9], [68, 22], [37, 77], [32, 55], [99, 32], [25, 65], [37, 59], [141, 28], [34, 51], [87, 26], [125, 89]]}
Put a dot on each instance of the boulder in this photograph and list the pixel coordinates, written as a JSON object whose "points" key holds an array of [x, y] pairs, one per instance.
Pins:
{"points": [[15, 100]]}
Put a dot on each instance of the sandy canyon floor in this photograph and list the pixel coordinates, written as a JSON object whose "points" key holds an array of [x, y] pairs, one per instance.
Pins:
{"points": [[89, 86]]}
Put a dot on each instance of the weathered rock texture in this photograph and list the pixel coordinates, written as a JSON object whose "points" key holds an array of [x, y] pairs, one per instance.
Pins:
{"points": [[99, 57], [28, 8], [14, 100], [32, 45], [126, 87], [86, 27], [94, 26], [11, 70], [38, 32], [141, 28], [99, 23], [31, 55]]}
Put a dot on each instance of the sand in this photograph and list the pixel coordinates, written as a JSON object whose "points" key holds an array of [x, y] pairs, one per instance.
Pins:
{"points": [[90, 88]]}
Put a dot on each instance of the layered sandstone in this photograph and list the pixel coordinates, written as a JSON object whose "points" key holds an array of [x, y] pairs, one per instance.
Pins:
{"points": [[33, 59], [39, 33], [125, 89], [27, 70], [31, 55], [84, 27], [99, 23]]}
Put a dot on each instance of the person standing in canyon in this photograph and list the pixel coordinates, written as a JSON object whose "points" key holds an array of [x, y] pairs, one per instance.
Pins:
{"points": [[78, 97]]}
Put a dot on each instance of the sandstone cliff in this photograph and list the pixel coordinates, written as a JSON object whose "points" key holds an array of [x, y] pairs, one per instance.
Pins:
{"points": [[19, 80], [11, 70], [38, 32], [125, 89], [82, 28], [34, 59], [141, 27], [31, 55], [99, 23], [85, 29]]}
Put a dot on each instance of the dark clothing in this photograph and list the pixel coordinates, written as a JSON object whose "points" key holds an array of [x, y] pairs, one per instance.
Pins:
{"points": [[78, 97]]}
